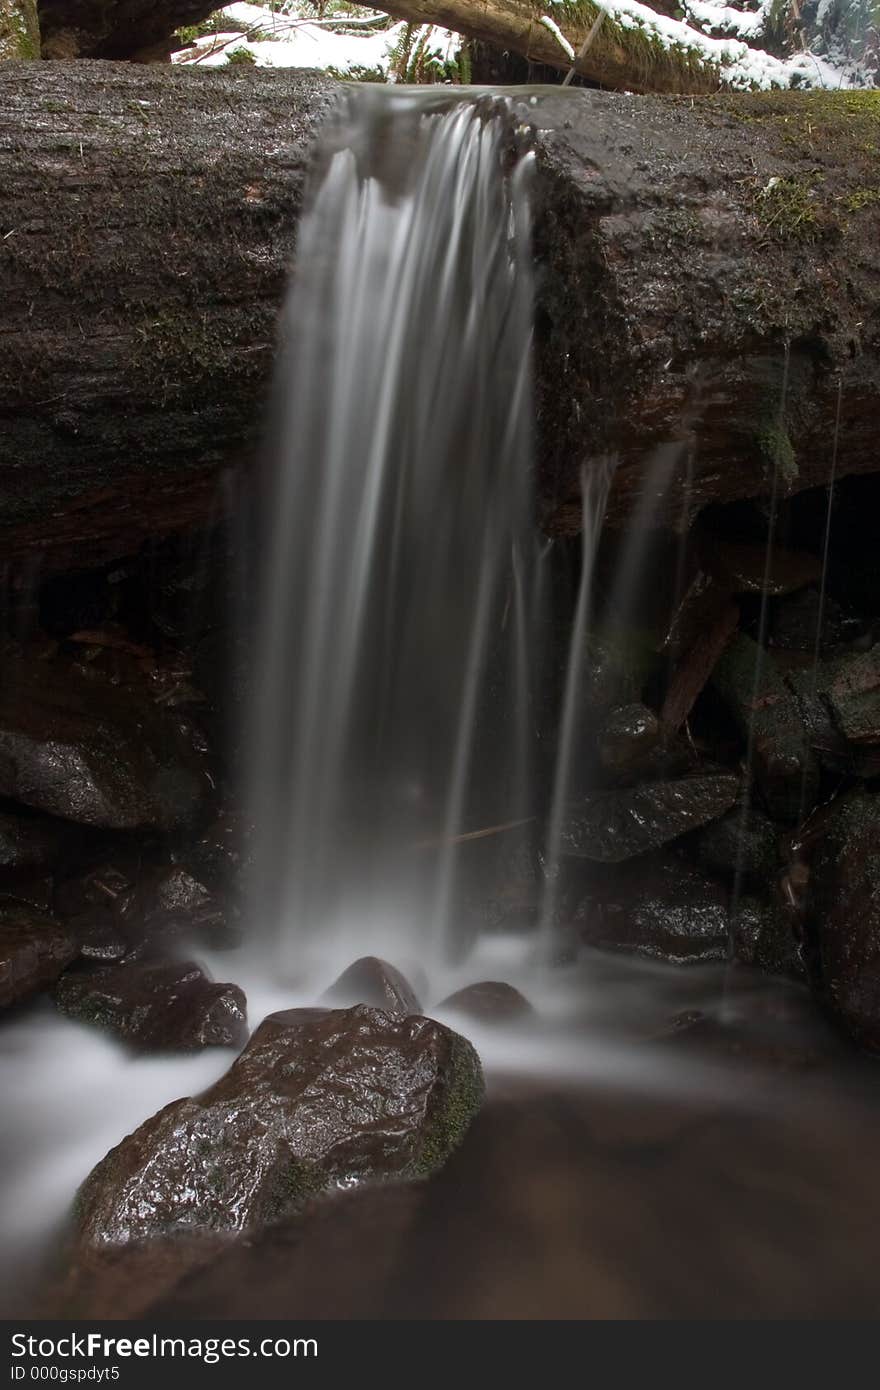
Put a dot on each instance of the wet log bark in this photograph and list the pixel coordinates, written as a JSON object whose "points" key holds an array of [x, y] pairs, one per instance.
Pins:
{"points": [[709, 284], [147, 226]]}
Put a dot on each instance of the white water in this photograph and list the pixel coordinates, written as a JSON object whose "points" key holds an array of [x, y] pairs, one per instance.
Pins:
{"points": [[398, 529]]}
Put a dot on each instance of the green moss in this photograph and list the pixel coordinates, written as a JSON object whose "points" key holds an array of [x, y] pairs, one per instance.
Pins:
{"points": [[826, 149], [462, 1098], [19, 29], [653, 60], [294, 1187], [789, 206], [777, 452], [863, 198]]}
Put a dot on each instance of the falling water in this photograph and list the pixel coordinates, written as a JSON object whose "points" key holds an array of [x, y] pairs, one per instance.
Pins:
{"points": [[761, 645], [398, 524], [594, 494]]}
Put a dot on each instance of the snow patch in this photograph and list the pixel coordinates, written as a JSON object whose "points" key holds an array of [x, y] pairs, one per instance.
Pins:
{"points": [[558, 35]]}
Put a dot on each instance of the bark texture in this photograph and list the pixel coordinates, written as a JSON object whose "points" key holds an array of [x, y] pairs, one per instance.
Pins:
{"points": [[709, 294], [710, 302], [147, 225]]}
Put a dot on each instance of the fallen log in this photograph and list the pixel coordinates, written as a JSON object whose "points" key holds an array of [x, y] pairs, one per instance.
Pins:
{"points": [[586, 39], [709, 271]]}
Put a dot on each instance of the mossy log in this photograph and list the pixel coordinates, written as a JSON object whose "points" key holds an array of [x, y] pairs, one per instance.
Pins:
{"points": [[594, 44], [709, 285], [19, 29]]}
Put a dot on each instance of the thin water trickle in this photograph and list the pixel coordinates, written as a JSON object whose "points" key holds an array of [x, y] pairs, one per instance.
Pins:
{"points": [[772, 513], [823, 586], [595, 488], [399, 525]]}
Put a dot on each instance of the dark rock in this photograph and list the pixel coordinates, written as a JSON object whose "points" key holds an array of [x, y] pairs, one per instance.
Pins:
{"points": [[34, 950], [844, 915], [222, 853], [840, 709], [107, 885], [744, 842], [616, 668], [35, 889], [854, 696], [318, 1099], [373, 981], [92, 753], [795, 618], [165, 1006], [106, 938], [628, 736], [742, 567], [98, 905], [766, 710], [490, 1001], [763, 937], [175, 904], [32, 842], [660, 907], [622, 824]]}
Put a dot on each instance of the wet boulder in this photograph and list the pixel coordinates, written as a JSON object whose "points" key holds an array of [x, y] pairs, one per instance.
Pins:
{"points": [[616, 667], [30, 841], [627, 737], [844, 915], [660, 907], [795, 620], [319, 1099], [174, 903], [34, 949], [764, 937], [489, 1002], [94, 753], [222, 853], [840, 708], [166, 1006], [853, 694], [98, 905], [767, 711], [622, 824], [373, 981], [741, 567], [743, 843]]}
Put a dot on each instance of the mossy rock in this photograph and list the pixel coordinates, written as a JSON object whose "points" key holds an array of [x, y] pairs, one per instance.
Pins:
{"points": [[319, 1099]]}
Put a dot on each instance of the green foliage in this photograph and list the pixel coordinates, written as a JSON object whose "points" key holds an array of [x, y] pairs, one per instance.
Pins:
{"points": [[358, 74], [414, 59], [243, 56], [789, 206]]}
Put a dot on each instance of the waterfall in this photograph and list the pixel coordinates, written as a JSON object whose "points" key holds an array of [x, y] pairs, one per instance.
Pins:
{"points": [[398, 526]]}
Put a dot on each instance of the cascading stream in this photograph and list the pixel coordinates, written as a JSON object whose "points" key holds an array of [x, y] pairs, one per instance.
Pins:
{"points": [[398, 525]]}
